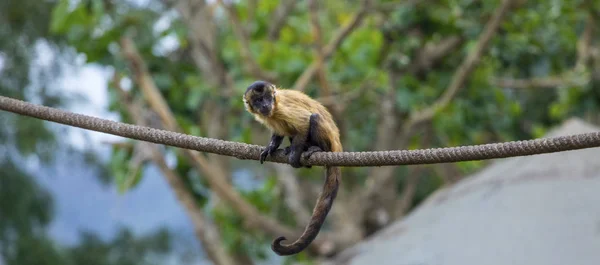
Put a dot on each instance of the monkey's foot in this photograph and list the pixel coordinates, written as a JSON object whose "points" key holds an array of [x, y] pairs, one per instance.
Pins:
{"points": [[311, 150], [294, 160]]}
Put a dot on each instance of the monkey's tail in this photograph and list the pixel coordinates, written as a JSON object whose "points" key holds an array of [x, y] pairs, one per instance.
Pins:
{"points": [[322, 207]]}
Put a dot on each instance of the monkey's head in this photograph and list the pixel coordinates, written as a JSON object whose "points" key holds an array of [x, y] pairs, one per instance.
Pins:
{"points": [[260, 98]]}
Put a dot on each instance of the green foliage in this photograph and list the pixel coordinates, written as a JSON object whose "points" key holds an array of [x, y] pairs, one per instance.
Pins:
{"points": [[28, 214], [26, 209], [125, 175], [23, 29], [238, 240], [537, 39], [123, 249]]}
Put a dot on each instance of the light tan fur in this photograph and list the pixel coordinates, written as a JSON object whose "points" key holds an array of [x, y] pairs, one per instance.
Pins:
{"points": [[291, 113], [290, 117]]}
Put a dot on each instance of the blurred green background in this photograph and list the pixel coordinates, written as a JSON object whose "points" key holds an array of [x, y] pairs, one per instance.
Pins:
{"points": [[73, 197]]}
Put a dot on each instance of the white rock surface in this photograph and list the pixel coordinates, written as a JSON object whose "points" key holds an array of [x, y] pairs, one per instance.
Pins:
{"points": [[534, 210]]}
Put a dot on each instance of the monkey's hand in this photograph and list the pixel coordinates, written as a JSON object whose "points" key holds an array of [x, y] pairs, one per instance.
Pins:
{"points": [[271, 147], [263, 155], [311, 150], [268, 151]]}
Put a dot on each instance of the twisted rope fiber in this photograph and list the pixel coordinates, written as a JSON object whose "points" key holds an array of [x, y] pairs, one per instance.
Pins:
{"points": [[348, 159]]}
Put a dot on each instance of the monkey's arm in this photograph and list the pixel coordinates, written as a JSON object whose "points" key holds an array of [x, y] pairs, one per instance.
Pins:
{"points": [[273, 145]]}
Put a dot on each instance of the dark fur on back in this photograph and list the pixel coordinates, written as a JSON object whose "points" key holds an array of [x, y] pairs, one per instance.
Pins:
{"points": [[294, 114]]}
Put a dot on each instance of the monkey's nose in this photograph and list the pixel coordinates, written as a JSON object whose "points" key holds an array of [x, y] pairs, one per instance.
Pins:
{"points": [[265, 110]]}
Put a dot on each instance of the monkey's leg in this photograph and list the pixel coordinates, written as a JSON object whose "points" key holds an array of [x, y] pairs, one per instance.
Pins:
{"points": [[273, 145], [296, 148], [315, 142], [314, 134], [287, 150]]}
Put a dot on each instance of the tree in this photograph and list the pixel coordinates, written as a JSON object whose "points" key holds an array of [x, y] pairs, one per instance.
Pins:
{"points": [[414, 74], [26, 208], [123, 249]]}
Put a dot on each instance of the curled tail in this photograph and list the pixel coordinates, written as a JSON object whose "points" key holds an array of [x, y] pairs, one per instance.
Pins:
{"points": [[322, 207]]}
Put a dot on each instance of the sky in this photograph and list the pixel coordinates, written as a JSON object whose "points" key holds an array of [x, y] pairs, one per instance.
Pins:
{"points": [[81, 201]]}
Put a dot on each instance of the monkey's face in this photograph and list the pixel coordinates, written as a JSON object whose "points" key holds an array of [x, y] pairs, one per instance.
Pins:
{"points": [[260, 98]]}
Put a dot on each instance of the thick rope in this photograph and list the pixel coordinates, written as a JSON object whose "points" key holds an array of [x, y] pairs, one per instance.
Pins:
{"points": [[348, 159]]}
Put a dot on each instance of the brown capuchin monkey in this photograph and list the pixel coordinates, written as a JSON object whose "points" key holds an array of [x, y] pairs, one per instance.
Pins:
{"points": [[310, 128]]}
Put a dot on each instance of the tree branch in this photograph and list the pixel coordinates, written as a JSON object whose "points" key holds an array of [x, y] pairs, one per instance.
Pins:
{"points": [[344, 159], [250, 63], [449, 173], [539, 82], [195, 18], [584, 43], [319, 54], [426, 57], [347, 229], [293, 196], [572, 77], [394, 5], [215, 176], [380, 191], [342, 99], [199, 19], [281, 14], [145, 82], [403, 203], [433, 52], [217, 180], [467, 66], [313, 13], [205, 230], [408, 193], [333, 45]]}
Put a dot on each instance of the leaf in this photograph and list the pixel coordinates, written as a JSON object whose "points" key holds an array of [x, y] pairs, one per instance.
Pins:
{"points": [[59, 17], [516, 109], [557, 110], [118, 165], [404, 98], [194, 98], [97, 8], [246, 136]]}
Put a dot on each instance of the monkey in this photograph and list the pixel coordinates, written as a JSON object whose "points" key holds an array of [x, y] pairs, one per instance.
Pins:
{"points": [[310, 128]]}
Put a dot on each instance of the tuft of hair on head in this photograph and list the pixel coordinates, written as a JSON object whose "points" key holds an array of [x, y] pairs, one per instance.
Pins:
{"points": [[260, 87]]}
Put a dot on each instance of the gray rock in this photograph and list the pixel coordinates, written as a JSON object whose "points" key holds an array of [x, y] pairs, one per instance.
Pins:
{"points": [[534, 210]]}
